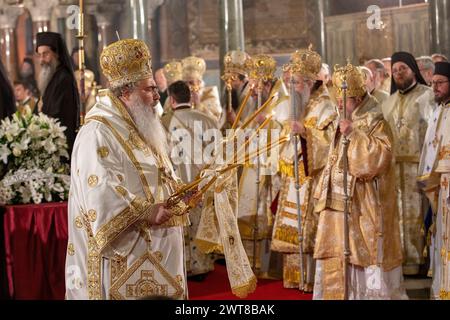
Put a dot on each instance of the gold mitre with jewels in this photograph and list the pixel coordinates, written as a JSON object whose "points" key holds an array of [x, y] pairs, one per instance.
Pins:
{"points": [[306, 62], [261, 67], [356, 85], [173, 71], [234, 62], [193, 67], [126, 61]]}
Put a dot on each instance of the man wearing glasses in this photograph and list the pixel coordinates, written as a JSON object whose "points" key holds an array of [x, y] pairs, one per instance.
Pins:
{"points": [[125, 240], [407, 110], [434, 180]]}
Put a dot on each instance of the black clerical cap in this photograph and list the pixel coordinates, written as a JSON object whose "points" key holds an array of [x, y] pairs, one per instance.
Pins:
{"points": [[443, 69], [410, 61], [56, 42], [50, 39]]}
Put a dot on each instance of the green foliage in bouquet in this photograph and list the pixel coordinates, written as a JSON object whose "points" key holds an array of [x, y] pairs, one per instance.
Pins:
{"points": [[33, 160]]}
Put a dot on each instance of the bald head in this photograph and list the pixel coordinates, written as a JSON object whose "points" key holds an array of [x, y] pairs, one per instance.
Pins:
{"points": [[426, 68], [378, 71]]}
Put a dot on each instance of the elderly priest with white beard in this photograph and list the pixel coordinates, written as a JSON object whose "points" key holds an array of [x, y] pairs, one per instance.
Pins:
{"points": [[125, 242], [56, 82]]}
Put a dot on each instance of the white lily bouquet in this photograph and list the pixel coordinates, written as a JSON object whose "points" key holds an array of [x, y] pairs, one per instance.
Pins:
{"points": [[33, 160]]}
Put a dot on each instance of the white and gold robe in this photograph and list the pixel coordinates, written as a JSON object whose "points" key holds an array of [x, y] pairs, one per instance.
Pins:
{"points": [[434, 180], [267, 263], [281, 106], [186, 128], [320, 128], [408, 115], [115, 180], [210, 103]]}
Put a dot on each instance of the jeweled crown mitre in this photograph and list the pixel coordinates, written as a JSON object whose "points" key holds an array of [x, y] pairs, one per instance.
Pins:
{"points": [[193, 67], [261, 67], [305, 62], [126, 61], [356, 85]]}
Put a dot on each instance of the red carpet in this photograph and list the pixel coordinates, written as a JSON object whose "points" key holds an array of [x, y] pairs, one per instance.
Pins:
{"points": [[217, 287]]}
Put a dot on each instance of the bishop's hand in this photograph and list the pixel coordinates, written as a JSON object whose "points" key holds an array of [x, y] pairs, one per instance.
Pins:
{"points": [[159, 214], [298, 128], [231, 116], [346, 127]]}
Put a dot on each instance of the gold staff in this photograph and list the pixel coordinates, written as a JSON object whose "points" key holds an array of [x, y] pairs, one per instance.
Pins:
{"points": [[345, 142]]}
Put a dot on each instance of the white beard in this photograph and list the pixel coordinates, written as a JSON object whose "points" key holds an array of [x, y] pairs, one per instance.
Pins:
{"points": [[301, 100], [149, 125], [306, 94], [45, 75]]}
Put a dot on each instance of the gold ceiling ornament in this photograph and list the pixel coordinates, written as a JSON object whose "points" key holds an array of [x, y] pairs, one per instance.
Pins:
{"points": [[356, 86], [126, 61], [261, 67], [193, 68]]}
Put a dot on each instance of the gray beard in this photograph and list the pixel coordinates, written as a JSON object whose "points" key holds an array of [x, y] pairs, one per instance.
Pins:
{"points": [[45, 75], [301, 100], [149, 125]]}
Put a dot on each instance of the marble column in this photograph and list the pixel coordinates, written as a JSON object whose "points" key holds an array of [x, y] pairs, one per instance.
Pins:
{"points": [[154, 40], [106, 16], [40, 15], [134, 20], [318, 11], [8, 50], [231, 28], [173, 26], [440, 26]]}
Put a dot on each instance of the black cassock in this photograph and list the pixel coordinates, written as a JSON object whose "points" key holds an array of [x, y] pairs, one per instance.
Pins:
{"points": [[7, 101], [61, 101]]}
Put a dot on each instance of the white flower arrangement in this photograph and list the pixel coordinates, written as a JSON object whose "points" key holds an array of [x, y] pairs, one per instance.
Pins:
{"points": [[33, 153]]}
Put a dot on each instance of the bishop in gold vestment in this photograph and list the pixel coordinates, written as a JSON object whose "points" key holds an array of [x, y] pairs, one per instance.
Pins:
{"points": [[256, 218], [204, 98], [318, 123], [124, 241], [375, 252]]}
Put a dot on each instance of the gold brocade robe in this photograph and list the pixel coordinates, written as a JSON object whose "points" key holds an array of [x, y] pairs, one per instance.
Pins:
{"points": [[186, 128], [116, 178], [408, 115], [373, 219], [320, 114]]}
